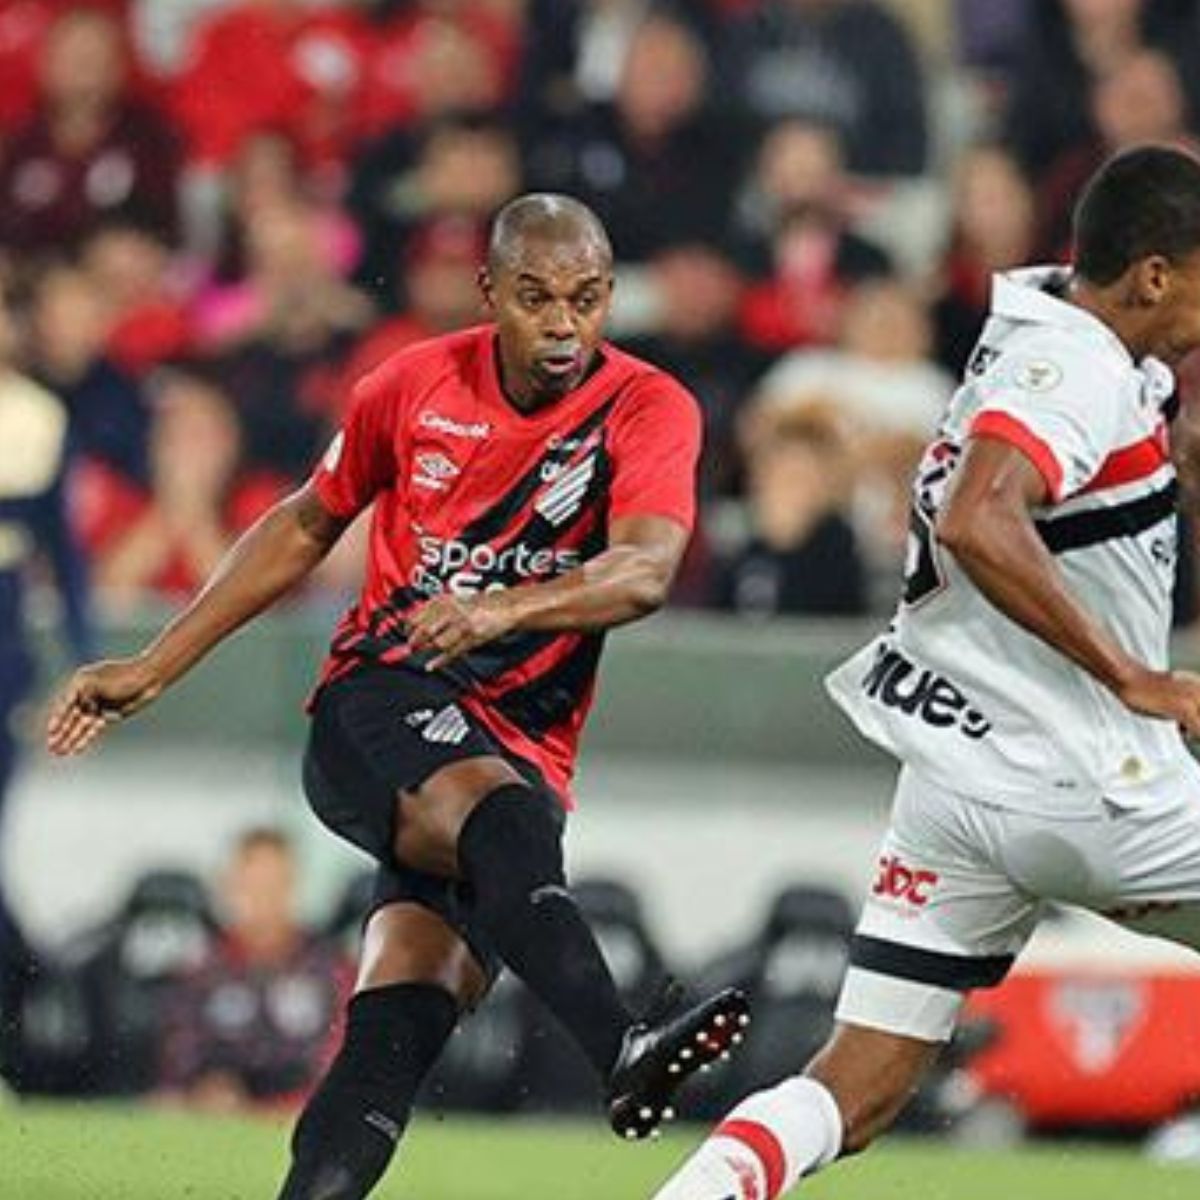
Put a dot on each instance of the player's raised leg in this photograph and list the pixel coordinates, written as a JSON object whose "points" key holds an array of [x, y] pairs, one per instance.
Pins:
{"points": [[479, 820]]}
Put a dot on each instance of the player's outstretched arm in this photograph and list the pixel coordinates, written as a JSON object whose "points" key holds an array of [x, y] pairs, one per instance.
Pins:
{"points": [[629, 580], [267, 561], [987, 525]]}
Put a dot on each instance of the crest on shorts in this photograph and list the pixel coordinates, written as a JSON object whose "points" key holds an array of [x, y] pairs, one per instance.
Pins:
{"points": [[446, 726]]}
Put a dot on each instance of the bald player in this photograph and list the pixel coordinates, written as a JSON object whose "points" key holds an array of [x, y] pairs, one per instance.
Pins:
{"points": [[533, 487]]}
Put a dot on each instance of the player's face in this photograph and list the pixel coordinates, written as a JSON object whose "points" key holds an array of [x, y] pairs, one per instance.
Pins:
{"points": [[550, 301], [1178, 332]]}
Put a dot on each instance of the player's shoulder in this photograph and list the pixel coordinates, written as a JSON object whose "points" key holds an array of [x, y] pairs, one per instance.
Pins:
{"points": [[1056, 362], [418, 365], [641, 384]]}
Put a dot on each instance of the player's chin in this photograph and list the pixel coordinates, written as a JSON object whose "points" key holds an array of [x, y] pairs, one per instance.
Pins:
{"points": [[554, 379]]}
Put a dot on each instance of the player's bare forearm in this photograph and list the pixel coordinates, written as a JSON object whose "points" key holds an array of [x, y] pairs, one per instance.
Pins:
{"points": [[623, 584], [987, 526], [272, 557], [629, 580]]}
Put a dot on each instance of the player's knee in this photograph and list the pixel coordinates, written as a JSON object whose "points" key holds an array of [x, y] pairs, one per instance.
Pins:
{"points": [[517, 827]]}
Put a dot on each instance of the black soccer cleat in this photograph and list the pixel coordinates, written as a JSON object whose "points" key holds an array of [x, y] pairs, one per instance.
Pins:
{"points": [[659, 1053]]}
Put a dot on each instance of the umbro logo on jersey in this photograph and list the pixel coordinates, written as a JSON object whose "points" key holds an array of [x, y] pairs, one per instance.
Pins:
{"points": [[445, 727], [562, 499], [433, 470]]}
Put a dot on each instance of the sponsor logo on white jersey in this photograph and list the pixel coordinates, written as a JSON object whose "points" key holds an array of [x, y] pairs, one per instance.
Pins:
{"points": [[473, 430]]}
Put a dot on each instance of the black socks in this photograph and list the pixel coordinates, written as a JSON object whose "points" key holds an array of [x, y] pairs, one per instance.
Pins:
{"points": [[350, 1127], [510, 851]]}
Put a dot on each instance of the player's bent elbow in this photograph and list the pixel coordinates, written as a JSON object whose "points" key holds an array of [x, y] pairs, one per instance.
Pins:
{"points": [[649, 596]]}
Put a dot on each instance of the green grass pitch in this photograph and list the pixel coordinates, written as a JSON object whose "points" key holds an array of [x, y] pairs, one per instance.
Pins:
{"points": [[89, 1153]]}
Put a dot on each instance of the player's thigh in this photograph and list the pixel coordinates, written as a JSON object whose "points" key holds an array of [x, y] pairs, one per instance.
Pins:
{"points": [[941, 918], [1156, 844], [380, 733], [432, 814]]}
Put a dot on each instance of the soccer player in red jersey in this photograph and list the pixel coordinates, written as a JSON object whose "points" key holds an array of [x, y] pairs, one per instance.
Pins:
{"points": [[532, 487]]}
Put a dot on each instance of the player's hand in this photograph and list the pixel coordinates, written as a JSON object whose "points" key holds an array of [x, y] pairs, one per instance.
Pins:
{"points": [[455, 625], [96, 697], [1170, 695]]}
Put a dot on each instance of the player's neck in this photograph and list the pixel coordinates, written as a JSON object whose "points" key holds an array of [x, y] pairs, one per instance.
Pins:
{"points": [[1115, 307]]}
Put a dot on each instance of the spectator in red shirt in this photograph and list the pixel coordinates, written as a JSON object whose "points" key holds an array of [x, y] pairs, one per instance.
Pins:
{"points": [[439, 292], [143, 297], [90, 152], [796, 238], [427, 60], [274, 64], [168, 538]]}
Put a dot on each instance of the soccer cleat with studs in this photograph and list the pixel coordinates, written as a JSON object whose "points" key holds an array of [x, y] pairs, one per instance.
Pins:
{"points": [[661, 1051]]}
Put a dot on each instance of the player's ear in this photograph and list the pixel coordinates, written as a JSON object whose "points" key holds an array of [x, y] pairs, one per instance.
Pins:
{"points": [[487, 288], [1151, 279]]}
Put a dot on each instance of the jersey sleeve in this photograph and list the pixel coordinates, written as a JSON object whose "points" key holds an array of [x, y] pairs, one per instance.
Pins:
{"points": [[360, 461], [1058, 409], [655, 448]]}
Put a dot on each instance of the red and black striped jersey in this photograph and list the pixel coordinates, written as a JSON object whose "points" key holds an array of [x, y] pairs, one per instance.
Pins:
{"points": [[472, 494]]}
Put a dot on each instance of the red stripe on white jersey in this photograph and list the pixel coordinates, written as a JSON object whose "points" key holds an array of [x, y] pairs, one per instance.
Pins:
{"points": [[1131, 463]]}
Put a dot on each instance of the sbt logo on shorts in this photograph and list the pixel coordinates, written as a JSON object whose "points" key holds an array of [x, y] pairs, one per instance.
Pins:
{"points": [[451, 565], [919, 692], [898, 881]]}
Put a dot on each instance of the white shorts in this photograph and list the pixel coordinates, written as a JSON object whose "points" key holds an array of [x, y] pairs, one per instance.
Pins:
{"points": [[961, 884]]}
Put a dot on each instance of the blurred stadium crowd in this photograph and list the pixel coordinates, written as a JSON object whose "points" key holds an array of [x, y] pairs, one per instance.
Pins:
{"points": [[219, 998], [216, 214]]}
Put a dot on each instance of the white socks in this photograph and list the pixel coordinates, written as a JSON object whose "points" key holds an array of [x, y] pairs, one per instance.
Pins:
{"points": [[763, 1146]]}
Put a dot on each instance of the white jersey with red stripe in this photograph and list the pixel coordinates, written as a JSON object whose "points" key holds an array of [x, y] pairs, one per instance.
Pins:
{"points": [[957, 689]]}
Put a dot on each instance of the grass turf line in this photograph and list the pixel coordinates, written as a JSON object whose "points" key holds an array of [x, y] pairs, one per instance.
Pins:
{"points": [[99, 1153]]}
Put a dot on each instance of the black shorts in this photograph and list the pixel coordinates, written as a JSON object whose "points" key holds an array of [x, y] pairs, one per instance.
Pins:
{"points": [[379, 731]]}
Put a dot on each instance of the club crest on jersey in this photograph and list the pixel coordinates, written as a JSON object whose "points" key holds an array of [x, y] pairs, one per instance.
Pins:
{"points": [[434, 471], [559, 502]]}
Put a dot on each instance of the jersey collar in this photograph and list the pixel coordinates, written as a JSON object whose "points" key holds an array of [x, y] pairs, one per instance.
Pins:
{"points": [[1027, 295], [495, 401]]}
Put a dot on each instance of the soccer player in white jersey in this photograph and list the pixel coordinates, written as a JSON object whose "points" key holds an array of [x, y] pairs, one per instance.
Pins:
{"points": [[1024, 683]]}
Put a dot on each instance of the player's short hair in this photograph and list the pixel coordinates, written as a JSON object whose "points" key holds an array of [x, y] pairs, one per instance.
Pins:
{"points": [[1142, 202], [548, 215]]}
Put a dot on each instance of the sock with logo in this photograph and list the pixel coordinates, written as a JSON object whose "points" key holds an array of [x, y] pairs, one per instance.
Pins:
{"points": [[763, 1146], [351, 1126], [510, 851]]}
